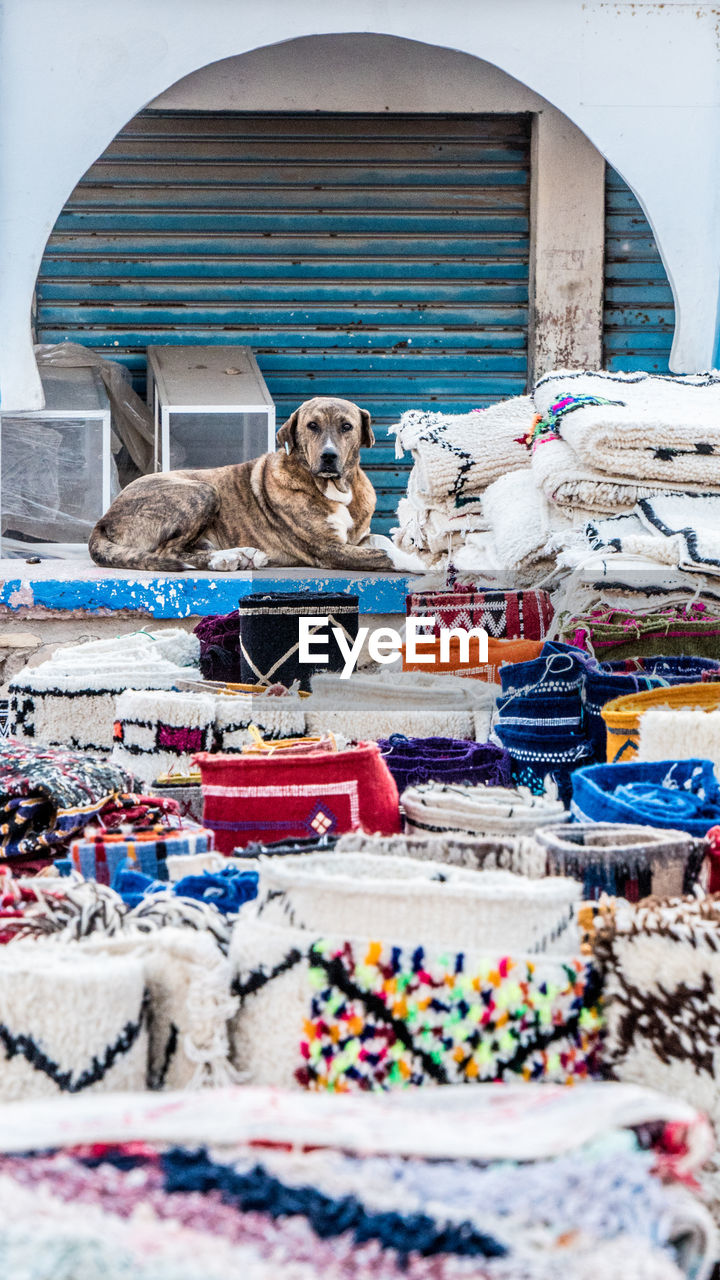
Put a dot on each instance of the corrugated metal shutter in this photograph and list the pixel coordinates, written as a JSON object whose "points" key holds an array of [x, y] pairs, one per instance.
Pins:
{"points": [[381, 258], [639, 314]]}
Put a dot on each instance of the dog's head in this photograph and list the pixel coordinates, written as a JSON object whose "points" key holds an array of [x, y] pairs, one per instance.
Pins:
{"points": [[327, 435]]}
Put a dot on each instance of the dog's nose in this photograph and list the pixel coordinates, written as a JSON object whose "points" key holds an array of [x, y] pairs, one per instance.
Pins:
{"points": [[329, 457]]}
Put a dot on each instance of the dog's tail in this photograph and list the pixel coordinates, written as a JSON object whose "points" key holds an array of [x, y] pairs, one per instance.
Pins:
{"points": [[120, 555]]}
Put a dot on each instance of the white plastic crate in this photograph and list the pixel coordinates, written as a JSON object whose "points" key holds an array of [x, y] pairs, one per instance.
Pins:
{"points": [[210, 406], [56, 464]]}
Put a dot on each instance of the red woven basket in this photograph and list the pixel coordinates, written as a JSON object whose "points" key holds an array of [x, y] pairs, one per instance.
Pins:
{"points": [[266, 798]]}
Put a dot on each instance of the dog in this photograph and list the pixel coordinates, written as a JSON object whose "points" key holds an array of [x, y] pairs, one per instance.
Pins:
{"points": [[307, 504]]}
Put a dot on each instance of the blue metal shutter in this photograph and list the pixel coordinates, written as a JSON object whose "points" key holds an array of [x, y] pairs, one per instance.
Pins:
{"points": [[383, 258], [639, 316]]}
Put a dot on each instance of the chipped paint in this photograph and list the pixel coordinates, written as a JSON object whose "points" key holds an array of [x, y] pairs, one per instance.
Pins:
{"points": [[55, 590]]}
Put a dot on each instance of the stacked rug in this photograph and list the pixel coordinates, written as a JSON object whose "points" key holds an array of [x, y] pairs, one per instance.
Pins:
{"points": [[455, 458], [371, 975], [624, 861], [415, 760], [683, 629], [624, 716], [415, 703], [670, 794], [99, 855], [605, 440], [501, 1183], [505, 615], [48, 795], [67, 1025], [521, 855], [263, 797], [541, 719], [487, 812], [70, 699], [157, 732]]}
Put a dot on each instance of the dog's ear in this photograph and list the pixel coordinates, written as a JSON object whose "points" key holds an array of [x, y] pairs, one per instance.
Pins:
{"points": [[286, 437], [367, 435]]}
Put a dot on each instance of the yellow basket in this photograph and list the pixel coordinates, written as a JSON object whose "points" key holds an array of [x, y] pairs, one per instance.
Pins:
{"points": [[622, 715]]}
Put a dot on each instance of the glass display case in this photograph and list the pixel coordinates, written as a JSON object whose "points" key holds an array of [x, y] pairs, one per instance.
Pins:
{"points": [[210, 406], [56, 465]]}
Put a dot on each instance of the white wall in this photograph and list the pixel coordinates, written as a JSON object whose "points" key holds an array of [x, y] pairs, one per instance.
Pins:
{"points": [[639, 79]]}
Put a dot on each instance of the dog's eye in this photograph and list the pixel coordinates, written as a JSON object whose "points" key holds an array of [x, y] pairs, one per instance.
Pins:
{"points": [[346, 426], [313, 426]]}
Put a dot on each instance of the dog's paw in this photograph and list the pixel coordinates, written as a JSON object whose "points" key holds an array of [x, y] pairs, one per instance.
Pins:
{"points": [[233, 558]]}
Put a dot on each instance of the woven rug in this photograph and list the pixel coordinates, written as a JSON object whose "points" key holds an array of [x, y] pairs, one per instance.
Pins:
{"points": [[403, 994], [415, 703], [671, 794], [426, 1186], [541, 718], [456, 456], [59, 1029], [489, 812], [414, 760], [262, 798], [603, 441], [682, 630], [624, 716], [270, 634], [521, 855], [48, 794], [157, 731], [676, 734], [624, 861], [505, 615], [661, 962], [691, 518]]}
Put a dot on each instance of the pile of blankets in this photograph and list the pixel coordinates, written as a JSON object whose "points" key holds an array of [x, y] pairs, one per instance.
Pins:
{"points": [[498, 1184], [625, 465]]}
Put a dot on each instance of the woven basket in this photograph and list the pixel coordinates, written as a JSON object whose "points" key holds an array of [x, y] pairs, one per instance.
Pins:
{"points": [[499, 652], [622, 715]]}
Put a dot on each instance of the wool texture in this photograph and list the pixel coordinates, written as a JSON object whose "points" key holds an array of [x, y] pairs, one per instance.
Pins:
{"points": [[540, 718], [414, 760], [269, 640], [623, 717], [688, 520], [675, 734], [505, 615], [671, 794], [486, 812], [248, 1182], [60, 1031], [663, 429], [353, 1013], [70, 699], [521, 855], [605, 441], [184, 790], [48, 795], [274, 715], [499, 653], [624, 861], [661, 965], [415, 703], [672, 630], [187, 979], [219, 639], [522, 545], [100, 856], [250, 798], [377, 895], [156, 732], [455, 458]]}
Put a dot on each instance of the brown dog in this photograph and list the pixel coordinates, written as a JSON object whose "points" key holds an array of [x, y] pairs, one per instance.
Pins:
{"points": [[307, 504]]}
